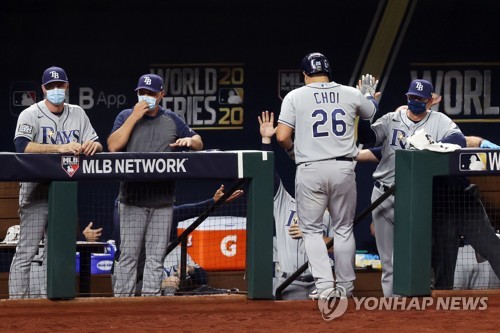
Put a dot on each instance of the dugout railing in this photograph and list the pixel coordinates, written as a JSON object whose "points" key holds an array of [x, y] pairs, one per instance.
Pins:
{"points": [[65, 171], [415, 171]]}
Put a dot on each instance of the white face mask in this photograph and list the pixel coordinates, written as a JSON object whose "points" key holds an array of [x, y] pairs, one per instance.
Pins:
{"points": [[148, 99], [56, 96]]}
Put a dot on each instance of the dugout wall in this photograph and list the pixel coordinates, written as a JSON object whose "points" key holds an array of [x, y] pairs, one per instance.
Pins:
{"points": [[415, 171], [65, 171]]}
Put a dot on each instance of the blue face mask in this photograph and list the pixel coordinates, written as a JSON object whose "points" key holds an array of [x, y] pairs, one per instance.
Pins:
{"points": [[417, 107], [56, 96], [148, 99]]}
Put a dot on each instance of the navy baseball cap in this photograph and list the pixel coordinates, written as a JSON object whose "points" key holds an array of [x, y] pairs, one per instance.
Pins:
{"points": [[150, 82], [54, 74], [421, 88]]}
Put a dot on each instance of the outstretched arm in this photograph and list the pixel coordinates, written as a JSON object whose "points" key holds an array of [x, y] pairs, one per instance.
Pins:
{"points": [[478, 142], [267, 131]]}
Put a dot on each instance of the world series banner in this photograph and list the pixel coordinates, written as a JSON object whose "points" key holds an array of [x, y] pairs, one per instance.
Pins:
{"points": [[205, 96]]}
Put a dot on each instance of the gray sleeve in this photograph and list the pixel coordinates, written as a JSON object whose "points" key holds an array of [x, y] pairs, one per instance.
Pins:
{"points": [[366, 109], [27, 126], [380, 127], [287, 113]]}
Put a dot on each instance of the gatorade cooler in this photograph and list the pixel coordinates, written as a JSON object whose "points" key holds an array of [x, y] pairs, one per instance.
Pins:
{"points": [[219, 243]]}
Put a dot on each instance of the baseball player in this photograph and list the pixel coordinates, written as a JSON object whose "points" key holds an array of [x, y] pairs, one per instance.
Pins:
{"points": [[471, 270], [322, 114], [49, 126], [146, 208], [196, 275], [390, 131], [180, 213], [288, 253], [288, 244]]}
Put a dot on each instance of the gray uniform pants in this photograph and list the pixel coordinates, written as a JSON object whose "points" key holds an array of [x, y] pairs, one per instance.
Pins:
{"points": [[138, 226], [320, 185], [383, 221], [33, 222]]}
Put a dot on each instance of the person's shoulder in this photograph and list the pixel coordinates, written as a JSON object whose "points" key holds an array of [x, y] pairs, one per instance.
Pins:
{"points": [[439, 115], [75, 108], [170, 114], [348, 89], [33, 108]]}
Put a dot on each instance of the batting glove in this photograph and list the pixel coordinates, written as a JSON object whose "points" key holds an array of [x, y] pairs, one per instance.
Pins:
{"points": [[367, 85], [489, 144]]}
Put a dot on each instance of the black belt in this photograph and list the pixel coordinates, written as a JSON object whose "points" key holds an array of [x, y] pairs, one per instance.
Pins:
{"points": [[343, 158], [301, 278], [381, 186]]}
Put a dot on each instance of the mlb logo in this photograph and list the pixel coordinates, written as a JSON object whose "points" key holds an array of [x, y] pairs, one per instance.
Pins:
{"points": [[473, 162], [23, 98], [70, 164]]}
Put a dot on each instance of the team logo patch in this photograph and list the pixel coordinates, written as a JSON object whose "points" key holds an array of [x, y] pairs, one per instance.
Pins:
{"points": [[473, 162], [25, 129], [70, 164]]}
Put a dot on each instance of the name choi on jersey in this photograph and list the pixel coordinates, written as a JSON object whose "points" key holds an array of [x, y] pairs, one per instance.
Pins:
{"points": [[135, 166], [326, 97]]}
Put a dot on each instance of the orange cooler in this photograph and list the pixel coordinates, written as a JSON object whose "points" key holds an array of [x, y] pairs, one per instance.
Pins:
{"points": [[219, 243]]}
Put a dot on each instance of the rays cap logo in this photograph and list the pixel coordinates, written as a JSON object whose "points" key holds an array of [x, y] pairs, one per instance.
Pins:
{"points": [[54, 74], [150, 82], [70, 164], [473, 162], [420, 88], [332, 303]]}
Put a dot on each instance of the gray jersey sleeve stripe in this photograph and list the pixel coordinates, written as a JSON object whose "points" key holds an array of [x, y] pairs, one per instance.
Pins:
{"points": [[286, 123]]}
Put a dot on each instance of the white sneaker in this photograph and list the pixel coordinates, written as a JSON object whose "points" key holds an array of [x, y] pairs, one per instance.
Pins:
{"points": [[314, 295]]}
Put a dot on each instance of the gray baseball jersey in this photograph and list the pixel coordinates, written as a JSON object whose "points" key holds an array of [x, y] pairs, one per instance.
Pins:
{"points": [[323, 116], [391, 131], [39, 125]]}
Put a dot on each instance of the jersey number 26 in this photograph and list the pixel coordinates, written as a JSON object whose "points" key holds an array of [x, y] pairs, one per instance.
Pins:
{"points": [[338, 125]]}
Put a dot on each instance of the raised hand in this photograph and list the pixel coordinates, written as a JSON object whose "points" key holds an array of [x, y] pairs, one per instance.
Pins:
{"points": [[266, 121]]}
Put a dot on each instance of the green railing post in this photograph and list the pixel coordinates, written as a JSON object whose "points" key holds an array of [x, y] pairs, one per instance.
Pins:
{"points": [[413, 219], [61, 245], [259, 271]]}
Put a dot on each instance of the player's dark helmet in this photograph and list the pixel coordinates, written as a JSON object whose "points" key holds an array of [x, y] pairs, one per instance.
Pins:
{"points": [[314, 63]]}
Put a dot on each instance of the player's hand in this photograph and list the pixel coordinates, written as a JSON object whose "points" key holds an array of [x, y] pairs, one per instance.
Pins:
{"points": [[372, 229], [220, 192], [89, 148], [92, 235], [73, 148], [367, 85], [266, 122], [140, 108], [183, 142], [436, 99], [172, 281], [294, 231]]}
